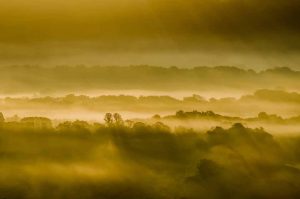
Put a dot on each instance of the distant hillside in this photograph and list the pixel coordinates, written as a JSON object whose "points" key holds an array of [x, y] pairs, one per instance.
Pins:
{"points": [[36, 79], [271, 101], [210, 115]]}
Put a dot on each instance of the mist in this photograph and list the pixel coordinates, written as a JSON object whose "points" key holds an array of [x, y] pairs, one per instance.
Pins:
{"points": [[150, 99]]}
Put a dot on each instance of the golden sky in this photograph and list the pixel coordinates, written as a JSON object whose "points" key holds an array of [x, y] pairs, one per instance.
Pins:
{"points": [[243, 32]]}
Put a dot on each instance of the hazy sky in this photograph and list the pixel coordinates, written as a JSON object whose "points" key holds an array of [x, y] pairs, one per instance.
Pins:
{"points": [[253, 33]]}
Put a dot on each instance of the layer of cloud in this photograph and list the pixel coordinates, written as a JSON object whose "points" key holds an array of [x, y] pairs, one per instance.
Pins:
{"points": [[46, 30]]}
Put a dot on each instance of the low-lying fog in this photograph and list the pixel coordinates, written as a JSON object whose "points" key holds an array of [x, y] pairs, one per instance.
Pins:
{"points": [[177, 94]]}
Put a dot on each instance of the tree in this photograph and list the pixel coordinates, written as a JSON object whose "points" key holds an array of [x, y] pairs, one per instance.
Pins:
{"points": [[1, 118], [263, 115], [118, 119], [161, 127], [156, 117], [180, 114], [108, 118]]}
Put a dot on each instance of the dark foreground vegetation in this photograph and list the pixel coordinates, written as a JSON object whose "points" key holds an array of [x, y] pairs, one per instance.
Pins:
{"points": [[131, 160]]}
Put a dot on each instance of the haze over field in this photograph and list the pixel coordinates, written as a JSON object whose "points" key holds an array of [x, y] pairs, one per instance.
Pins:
{"points": [[152, 99]]}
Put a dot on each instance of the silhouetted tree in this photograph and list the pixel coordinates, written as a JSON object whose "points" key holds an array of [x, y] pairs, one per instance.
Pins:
{"points": [[1, 118], [180, 114], [118, 119], [159, 126], [108, 118], [156, 117], [262, 115]]}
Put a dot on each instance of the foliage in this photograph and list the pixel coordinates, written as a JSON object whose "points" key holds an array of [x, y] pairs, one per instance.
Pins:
{"points": [[82, 160]]}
